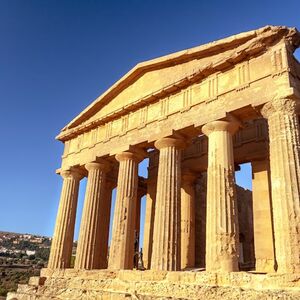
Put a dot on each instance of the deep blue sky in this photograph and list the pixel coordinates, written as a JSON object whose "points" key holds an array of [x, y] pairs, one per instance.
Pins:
{"points": [[58, 56]]}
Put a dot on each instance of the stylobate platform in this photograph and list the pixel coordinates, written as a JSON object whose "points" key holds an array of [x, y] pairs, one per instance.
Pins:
{"points": [[104, 284]]}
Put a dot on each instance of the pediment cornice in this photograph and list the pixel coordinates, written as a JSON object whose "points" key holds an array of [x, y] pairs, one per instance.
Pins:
{"points": [[240, 47]]}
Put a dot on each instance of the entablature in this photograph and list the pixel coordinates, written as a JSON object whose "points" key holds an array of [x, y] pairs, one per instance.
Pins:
{"points": [[236, 84], [250, 143]]}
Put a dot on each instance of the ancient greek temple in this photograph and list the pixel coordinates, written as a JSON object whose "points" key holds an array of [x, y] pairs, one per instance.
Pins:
{"points": [[196, 115]]}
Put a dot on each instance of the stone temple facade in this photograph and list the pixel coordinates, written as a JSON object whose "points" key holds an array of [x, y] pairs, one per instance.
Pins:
{"points": [[196, 114]]}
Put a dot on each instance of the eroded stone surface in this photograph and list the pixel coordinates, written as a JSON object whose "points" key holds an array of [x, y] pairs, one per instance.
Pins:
{"points": [[222, 91], [162, 285]]}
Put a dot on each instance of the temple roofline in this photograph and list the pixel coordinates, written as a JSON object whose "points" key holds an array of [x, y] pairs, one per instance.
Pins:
{"points": [[265, 35]]}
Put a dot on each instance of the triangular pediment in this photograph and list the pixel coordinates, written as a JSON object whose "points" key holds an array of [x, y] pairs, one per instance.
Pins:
{"points": [[158, 77]]}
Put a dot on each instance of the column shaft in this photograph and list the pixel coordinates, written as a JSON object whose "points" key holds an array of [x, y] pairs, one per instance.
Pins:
{"points": [[187, 221], [105, 216], [90, 248], [222, 234], [149, 222], [122, 246], [200, 220], [137, 229], [138, 214], [166, 237], [262, 217], [62, 242], [285, 178]]}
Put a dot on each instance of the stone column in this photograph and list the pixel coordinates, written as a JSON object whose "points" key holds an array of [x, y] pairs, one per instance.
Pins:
{"points": [[166, 237], [90, 248], [187, 220], [285, 180], [262, 217], [122, 244], [149, 222], [62, 242], [140, 195], [137, 226], [200, 220], [104, 238], [222, 234]]}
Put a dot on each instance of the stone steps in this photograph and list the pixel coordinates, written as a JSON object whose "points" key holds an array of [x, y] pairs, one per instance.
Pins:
{"points": [[149, 285]]}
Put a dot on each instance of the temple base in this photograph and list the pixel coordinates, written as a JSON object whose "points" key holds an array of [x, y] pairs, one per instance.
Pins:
{"points": [[104, 284]]}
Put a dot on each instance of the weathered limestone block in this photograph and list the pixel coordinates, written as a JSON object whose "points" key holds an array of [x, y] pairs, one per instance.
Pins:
{"points": [[166, 237], [151, 284], [187, 220], [222, 233], [62, 242], [92, 249], [285, 178], [262, 217], [122, 245], [36, 280]]}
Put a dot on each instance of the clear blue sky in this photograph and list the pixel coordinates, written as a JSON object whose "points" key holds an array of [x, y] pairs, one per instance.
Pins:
{"points": [[58, 56]]}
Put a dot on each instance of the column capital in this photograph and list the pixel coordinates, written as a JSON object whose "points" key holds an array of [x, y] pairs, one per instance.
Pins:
{"points": [[74, 173], [280, 105], [219, 125], [137, 155], [170, 142], [98, 165]]}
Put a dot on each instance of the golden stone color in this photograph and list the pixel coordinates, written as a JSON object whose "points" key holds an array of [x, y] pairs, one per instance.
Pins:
{"points": [[196, 114]]}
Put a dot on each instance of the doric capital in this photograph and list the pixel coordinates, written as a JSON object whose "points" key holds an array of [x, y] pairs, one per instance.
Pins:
{"points": [[99, 165], [136, 155], [230, 126], [170, 142], [280, 105], [73, 173]]}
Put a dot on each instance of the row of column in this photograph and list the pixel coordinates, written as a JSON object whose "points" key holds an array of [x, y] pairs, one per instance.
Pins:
{"points": [[171, 248]]}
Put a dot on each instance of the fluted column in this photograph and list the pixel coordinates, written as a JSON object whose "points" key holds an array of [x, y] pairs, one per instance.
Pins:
{"points": [[222, 234], [200, 220], [149, 222], [166, 237], [285, 180], [137, 227], [62, 242], [105, 216], [187, 220], [90, 247], [122, 245], [140, 195], [262, 217]]}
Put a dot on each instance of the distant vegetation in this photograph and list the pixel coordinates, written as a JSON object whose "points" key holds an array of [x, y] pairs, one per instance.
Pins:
{"points": [[21, 256]]}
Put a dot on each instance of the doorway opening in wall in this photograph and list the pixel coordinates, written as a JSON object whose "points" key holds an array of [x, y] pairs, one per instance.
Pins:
{"points": [[245, 215]]}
